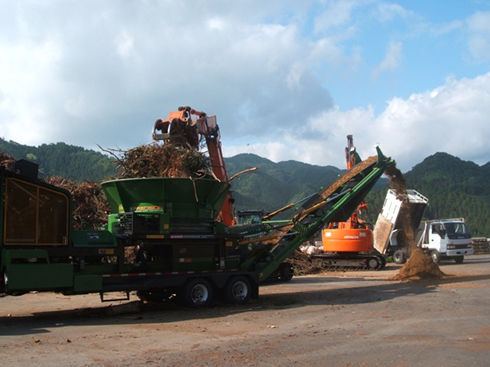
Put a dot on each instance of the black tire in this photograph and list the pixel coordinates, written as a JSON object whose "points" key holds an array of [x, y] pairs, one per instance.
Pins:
{"points": [[458, 259], [399, 257], [383, 261], [197, 293], [286, 272], [435, 256], [238, 290], [373, 263]]}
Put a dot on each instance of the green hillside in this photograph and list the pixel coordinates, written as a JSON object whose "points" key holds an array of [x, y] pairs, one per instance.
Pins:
{"points": [[60, 159], [455, 188], [274, 185]]}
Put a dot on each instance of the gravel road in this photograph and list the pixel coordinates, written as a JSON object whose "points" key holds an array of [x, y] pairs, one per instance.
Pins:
{"points": [[332, 319]]}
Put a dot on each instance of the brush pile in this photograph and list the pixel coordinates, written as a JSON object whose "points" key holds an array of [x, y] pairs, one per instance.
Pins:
{"points": [[7, 161], [154, 160], [90, 206]]}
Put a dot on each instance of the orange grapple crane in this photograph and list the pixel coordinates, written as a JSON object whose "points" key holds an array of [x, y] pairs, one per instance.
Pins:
{"points": [[180, 127]]}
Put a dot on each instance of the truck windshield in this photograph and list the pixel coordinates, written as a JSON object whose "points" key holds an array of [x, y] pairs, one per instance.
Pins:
{"points": [[455, 230]]}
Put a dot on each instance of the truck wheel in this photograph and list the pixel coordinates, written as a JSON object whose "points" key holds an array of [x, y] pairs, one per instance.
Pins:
{"points": [[238, 290], [399, 257], [435, 256], [458, 259], [383, 261], [197, 293]]}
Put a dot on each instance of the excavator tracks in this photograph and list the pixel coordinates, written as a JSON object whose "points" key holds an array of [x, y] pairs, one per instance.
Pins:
{"points": [[353, 262]]}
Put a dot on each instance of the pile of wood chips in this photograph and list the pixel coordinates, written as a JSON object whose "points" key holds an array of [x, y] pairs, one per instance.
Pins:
{"points": [[419, 266], [303, 264]]}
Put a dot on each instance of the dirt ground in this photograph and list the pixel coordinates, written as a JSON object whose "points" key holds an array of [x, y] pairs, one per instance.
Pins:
{"points": [[331, 319]]}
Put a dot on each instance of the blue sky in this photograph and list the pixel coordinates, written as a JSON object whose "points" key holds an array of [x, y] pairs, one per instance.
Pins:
{"points": [[287, 79]]}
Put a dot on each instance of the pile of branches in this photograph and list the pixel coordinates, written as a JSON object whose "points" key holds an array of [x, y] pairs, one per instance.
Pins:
{"points": [[7, 161], [90, 206], [155, 160]]}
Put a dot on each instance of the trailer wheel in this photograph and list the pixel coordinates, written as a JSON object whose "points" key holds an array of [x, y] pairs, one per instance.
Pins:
{"points": [[238, 290], [458, 259], [399, 257], [435, 256], [197, 293]]}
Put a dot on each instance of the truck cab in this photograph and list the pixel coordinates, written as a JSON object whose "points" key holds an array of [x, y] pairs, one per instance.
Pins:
{"points": [[446, 239]]}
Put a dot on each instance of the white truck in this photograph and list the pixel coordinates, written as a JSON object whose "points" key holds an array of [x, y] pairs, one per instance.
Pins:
{"points": [[445, 239], [440, 238]]}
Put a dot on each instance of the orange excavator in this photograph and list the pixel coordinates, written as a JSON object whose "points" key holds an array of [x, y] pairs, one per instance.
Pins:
{"points": [[350, 244], [181, 128]]}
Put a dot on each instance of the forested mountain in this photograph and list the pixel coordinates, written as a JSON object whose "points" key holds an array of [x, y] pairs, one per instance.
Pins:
{"points": [[60, 159], [455, 188], [274, 185]]}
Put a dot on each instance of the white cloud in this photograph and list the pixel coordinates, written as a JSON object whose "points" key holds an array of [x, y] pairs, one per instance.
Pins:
{"points": [[448, 119], [391, 61], [102, 73], [442, 29], [387, 12], [336, 14], [479, 36], [124, 44]]}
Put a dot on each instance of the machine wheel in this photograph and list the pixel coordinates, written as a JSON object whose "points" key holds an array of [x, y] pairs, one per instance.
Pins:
{"points": [[286, 272], [435, 256], [197, 293], [373, 263], [238, 290], [458, 259], [399, 257]]}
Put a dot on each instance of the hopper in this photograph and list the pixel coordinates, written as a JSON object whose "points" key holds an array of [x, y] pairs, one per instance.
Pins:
{"points": [[177, 197]]}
